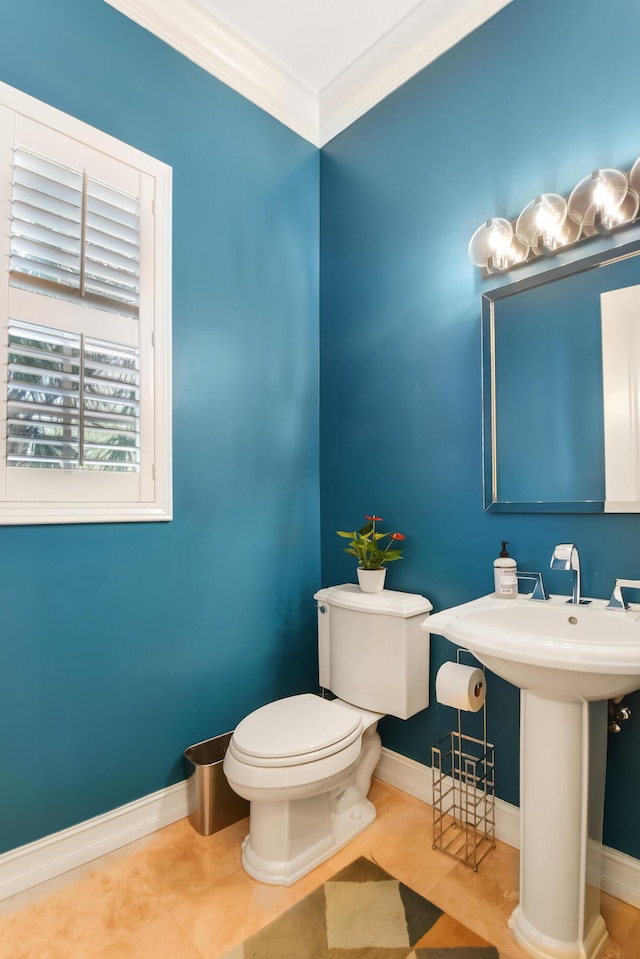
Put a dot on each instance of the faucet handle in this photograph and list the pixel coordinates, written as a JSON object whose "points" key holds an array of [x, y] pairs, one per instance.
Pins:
{"points": [[618, 600], [564, 556], [539, 589]]}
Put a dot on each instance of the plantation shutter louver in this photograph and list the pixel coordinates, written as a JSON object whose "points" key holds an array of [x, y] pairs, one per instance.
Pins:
{"points": [[73, 401], [72, 236], [110, 407], [43, 397]]}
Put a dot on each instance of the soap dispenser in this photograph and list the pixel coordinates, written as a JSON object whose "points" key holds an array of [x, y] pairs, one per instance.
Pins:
{"points": [[504, 574]]}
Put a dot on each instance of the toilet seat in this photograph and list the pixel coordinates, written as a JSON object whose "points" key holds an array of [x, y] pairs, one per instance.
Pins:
{"points": [[294, 731]]}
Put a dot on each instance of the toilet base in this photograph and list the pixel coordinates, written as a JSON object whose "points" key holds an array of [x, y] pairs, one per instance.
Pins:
{"points": [[296, 816]]}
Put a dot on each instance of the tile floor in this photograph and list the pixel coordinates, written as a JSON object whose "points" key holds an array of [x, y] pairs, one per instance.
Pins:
{"points": [[178, 895]]}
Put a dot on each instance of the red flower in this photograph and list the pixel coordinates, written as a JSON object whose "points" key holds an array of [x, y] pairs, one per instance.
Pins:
{"points": [[374, 519], [397, 536]]}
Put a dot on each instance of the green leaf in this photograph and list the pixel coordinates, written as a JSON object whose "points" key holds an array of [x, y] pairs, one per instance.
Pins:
{"points": [[363, 540], [346, 535]]}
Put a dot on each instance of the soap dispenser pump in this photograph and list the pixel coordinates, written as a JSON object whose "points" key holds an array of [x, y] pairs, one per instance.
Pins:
{"points": [[504, 574]]}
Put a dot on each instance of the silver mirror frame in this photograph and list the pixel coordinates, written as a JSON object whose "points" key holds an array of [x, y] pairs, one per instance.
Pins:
{"points": [[492, 501]]}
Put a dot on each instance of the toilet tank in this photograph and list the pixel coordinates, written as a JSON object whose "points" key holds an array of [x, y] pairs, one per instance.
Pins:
{"points": [[372, 652]]}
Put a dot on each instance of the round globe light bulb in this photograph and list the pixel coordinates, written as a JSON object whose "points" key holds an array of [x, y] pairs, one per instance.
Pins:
{"points": [[541, 222], [494, 247], [596, 221], [597, 198]]}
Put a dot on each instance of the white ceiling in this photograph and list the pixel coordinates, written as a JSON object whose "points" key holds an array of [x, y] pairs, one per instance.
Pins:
{"points": [[314, 39], [316, 65]]}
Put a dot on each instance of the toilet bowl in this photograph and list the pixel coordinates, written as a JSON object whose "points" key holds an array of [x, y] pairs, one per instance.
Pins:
{"points": [[305, 762], [307, 786]]}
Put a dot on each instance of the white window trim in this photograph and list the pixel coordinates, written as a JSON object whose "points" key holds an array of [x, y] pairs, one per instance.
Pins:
{"points": [[160, 508]]}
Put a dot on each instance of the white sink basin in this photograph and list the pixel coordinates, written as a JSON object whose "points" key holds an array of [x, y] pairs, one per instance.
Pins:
{"points": [[560, 651]]}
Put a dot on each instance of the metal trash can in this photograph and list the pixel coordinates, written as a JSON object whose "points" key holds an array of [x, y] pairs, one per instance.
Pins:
{"points": [[212, 802]]}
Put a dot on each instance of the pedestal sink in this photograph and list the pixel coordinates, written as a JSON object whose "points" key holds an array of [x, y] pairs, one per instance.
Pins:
{"points": [[567, 661]]}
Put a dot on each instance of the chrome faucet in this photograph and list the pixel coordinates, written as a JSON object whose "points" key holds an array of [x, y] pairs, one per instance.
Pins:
{"points": [[618, 600], [539, 589], [566, 556]]}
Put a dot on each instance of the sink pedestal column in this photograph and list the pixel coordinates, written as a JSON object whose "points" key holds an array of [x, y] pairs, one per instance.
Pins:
{"points": [[562, 766]]}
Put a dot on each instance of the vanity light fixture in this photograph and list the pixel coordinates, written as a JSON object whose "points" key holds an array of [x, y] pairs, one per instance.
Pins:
{"points": [[602, 202]]}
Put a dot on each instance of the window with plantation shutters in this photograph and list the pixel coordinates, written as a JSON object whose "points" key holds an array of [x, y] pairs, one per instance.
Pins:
{"points": [[85, 433]]}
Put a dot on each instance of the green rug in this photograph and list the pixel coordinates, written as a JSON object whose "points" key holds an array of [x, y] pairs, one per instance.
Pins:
{"points": [[364, 913]]}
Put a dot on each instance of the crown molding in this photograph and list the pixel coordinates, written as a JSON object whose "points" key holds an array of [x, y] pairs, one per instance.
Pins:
{"points": [[417, 40], [203, 38]]}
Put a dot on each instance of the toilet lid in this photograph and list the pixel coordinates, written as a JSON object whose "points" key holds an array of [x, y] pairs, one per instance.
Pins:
{"points": [[299, 728]]}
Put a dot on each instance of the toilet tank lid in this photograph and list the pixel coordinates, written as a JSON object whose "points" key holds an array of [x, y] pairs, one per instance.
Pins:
{"points": [[388, 602]]}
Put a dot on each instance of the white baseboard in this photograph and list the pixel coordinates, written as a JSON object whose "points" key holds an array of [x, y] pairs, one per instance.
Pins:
{"points": [[29, 865], [56, 854], [621, 876], [620, 873]]}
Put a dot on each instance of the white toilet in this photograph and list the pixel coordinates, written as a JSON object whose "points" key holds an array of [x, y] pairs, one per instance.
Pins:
{"points": [[305, 763]]}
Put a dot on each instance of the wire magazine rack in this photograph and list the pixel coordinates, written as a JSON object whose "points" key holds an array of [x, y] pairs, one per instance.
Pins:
{"points": [[464, 823]]}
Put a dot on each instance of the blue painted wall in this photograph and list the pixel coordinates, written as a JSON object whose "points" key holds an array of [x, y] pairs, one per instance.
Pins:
{"points": [[531, 102], [122, 644], [174, 631]]}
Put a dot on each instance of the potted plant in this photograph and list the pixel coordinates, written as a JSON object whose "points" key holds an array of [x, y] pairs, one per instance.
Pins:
{"points": [[372, 554]]}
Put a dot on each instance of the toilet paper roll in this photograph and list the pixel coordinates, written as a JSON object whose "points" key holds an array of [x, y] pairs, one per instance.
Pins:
{"points": [[463, 687]]}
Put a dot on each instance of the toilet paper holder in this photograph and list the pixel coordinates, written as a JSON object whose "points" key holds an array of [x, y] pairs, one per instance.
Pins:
{"points": [[463, 792]]}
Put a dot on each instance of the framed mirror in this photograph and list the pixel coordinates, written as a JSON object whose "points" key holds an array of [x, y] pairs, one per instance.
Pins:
{"points": [[561, 388]]}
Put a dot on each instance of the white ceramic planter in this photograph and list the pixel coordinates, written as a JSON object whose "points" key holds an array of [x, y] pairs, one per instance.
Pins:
{"points": [[372, 580]]}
